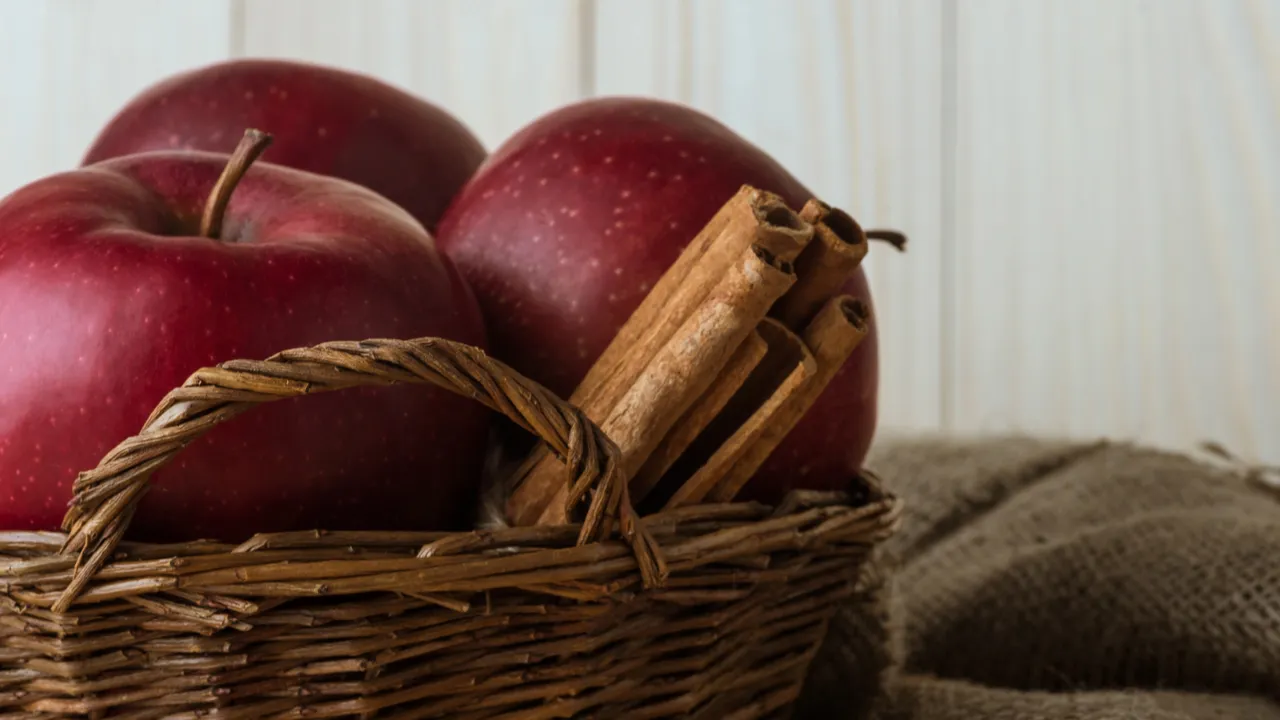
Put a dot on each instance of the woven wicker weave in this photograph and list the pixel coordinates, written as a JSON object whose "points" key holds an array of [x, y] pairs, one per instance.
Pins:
{"points": [[711, 611]]}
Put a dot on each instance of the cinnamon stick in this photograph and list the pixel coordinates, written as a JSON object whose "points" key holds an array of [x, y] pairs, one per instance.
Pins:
{"points": [[750, 216], [701, 413], [679, 369], [838, 248], [785, 370], [831, 336]]}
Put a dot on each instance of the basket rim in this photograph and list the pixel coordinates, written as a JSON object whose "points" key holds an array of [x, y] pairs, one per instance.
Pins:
{"points": [[318, 563]]}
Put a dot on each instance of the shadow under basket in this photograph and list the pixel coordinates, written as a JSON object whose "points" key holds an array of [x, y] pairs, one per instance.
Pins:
{"points": [[710, 611]]}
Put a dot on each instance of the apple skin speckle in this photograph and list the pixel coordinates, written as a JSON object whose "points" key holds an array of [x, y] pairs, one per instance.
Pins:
{"points": [[673, 167], [97, 359], [324, 120]]}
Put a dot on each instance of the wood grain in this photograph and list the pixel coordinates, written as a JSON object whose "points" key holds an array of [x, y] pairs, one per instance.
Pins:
{"points": [[495, 64], [1117, 234], [66, 67]]}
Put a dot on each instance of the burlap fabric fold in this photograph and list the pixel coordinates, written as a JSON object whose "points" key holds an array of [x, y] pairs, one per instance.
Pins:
{"points": [[1050, 580]]}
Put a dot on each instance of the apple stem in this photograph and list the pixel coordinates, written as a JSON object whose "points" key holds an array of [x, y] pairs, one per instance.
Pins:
{"points": [[893, 237], [215, 208]]}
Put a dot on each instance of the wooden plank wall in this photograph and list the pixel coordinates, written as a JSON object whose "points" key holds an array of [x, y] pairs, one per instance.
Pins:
{"points": [[1092, 187]]}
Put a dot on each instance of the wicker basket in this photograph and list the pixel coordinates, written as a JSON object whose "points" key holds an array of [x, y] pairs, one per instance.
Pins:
{"points": [[711, 611]]}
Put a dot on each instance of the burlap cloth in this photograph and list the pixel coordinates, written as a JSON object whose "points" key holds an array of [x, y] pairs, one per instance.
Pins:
{"points": [[1052, 580]]}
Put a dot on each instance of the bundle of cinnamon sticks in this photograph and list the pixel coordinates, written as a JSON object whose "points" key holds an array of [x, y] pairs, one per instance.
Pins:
{"points": [[720, 361]]}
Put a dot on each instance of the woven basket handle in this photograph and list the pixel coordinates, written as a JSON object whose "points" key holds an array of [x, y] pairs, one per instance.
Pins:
{"points": [[106, 497]]}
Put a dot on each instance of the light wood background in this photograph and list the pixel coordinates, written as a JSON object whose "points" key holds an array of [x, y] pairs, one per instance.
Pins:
{"points": [[1092, 187]]}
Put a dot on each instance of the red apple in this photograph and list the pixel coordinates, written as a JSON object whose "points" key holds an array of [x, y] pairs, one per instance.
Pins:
{"points": [[572, 221], [110, 297], [328, 121]]}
